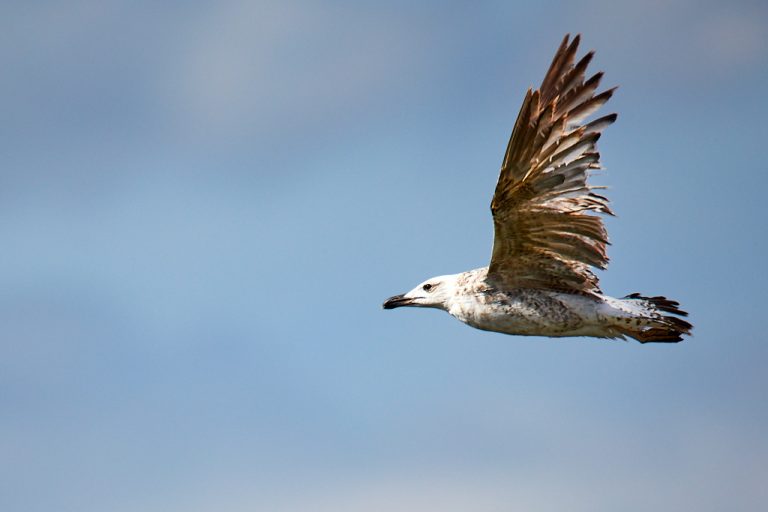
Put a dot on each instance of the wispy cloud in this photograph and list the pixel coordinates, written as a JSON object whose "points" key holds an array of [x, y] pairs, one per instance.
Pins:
{"points": [[272, 65], [690, 41]]}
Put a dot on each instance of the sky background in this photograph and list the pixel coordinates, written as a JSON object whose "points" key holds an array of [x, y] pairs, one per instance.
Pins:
{"points": [[204, 204]]}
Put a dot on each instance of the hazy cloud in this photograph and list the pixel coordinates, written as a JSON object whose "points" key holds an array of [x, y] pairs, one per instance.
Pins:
{"points": [[273, 65]]}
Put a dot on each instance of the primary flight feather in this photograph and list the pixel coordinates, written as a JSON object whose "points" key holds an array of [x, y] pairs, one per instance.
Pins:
{"points": [[546, 236]]}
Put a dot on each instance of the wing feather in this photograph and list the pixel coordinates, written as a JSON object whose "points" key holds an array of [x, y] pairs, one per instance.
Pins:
{"points": [[545, 233]]}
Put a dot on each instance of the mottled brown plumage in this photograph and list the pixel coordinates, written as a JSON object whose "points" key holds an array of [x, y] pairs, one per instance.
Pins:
{"points": [[547, 235], [544, 235]]}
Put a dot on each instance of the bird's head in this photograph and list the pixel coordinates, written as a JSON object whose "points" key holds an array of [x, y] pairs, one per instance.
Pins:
{"points": [[432, 293]]}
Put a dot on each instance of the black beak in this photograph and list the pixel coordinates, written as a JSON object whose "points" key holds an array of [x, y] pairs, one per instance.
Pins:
{"points": [[396, 302]]}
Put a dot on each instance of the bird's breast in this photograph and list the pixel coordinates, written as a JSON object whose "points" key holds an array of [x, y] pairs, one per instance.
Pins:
{"points": [[519, 311]]}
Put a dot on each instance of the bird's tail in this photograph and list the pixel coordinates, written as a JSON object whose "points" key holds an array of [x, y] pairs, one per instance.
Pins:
{"points": [[648, 320]]}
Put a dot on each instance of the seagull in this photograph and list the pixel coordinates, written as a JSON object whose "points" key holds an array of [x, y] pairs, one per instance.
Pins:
{"points": [[546, 237]]}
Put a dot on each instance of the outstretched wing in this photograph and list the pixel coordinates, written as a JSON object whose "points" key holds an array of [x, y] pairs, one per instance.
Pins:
{"points": [[544, 235]]}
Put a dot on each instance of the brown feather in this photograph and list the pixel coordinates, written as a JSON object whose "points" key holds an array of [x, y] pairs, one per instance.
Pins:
{"points": [[544, 236]]}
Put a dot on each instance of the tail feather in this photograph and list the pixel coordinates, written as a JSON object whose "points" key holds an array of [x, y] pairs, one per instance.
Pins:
{"points": [[661, 303], [652, 325]]}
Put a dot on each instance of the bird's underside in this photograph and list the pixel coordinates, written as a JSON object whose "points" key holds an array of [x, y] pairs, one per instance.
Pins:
{"points": [[546, 234], [537, 312]]}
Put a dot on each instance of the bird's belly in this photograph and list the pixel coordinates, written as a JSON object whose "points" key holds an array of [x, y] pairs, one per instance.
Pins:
{"points": [[530, 312]]}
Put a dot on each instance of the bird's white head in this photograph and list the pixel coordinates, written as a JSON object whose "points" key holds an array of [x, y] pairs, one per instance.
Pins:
{"points": [[436, 292]]}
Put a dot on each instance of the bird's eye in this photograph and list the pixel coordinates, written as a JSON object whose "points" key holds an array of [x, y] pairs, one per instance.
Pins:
{"points": [[427, 287]]}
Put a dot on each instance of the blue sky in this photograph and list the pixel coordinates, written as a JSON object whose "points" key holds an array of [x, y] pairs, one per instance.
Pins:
{"points": [[203, 205]]}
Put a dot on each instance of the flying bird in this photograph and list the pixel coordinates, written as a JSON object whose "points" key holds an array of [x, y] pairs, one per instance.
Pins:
{"points": [[546, 236]]}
